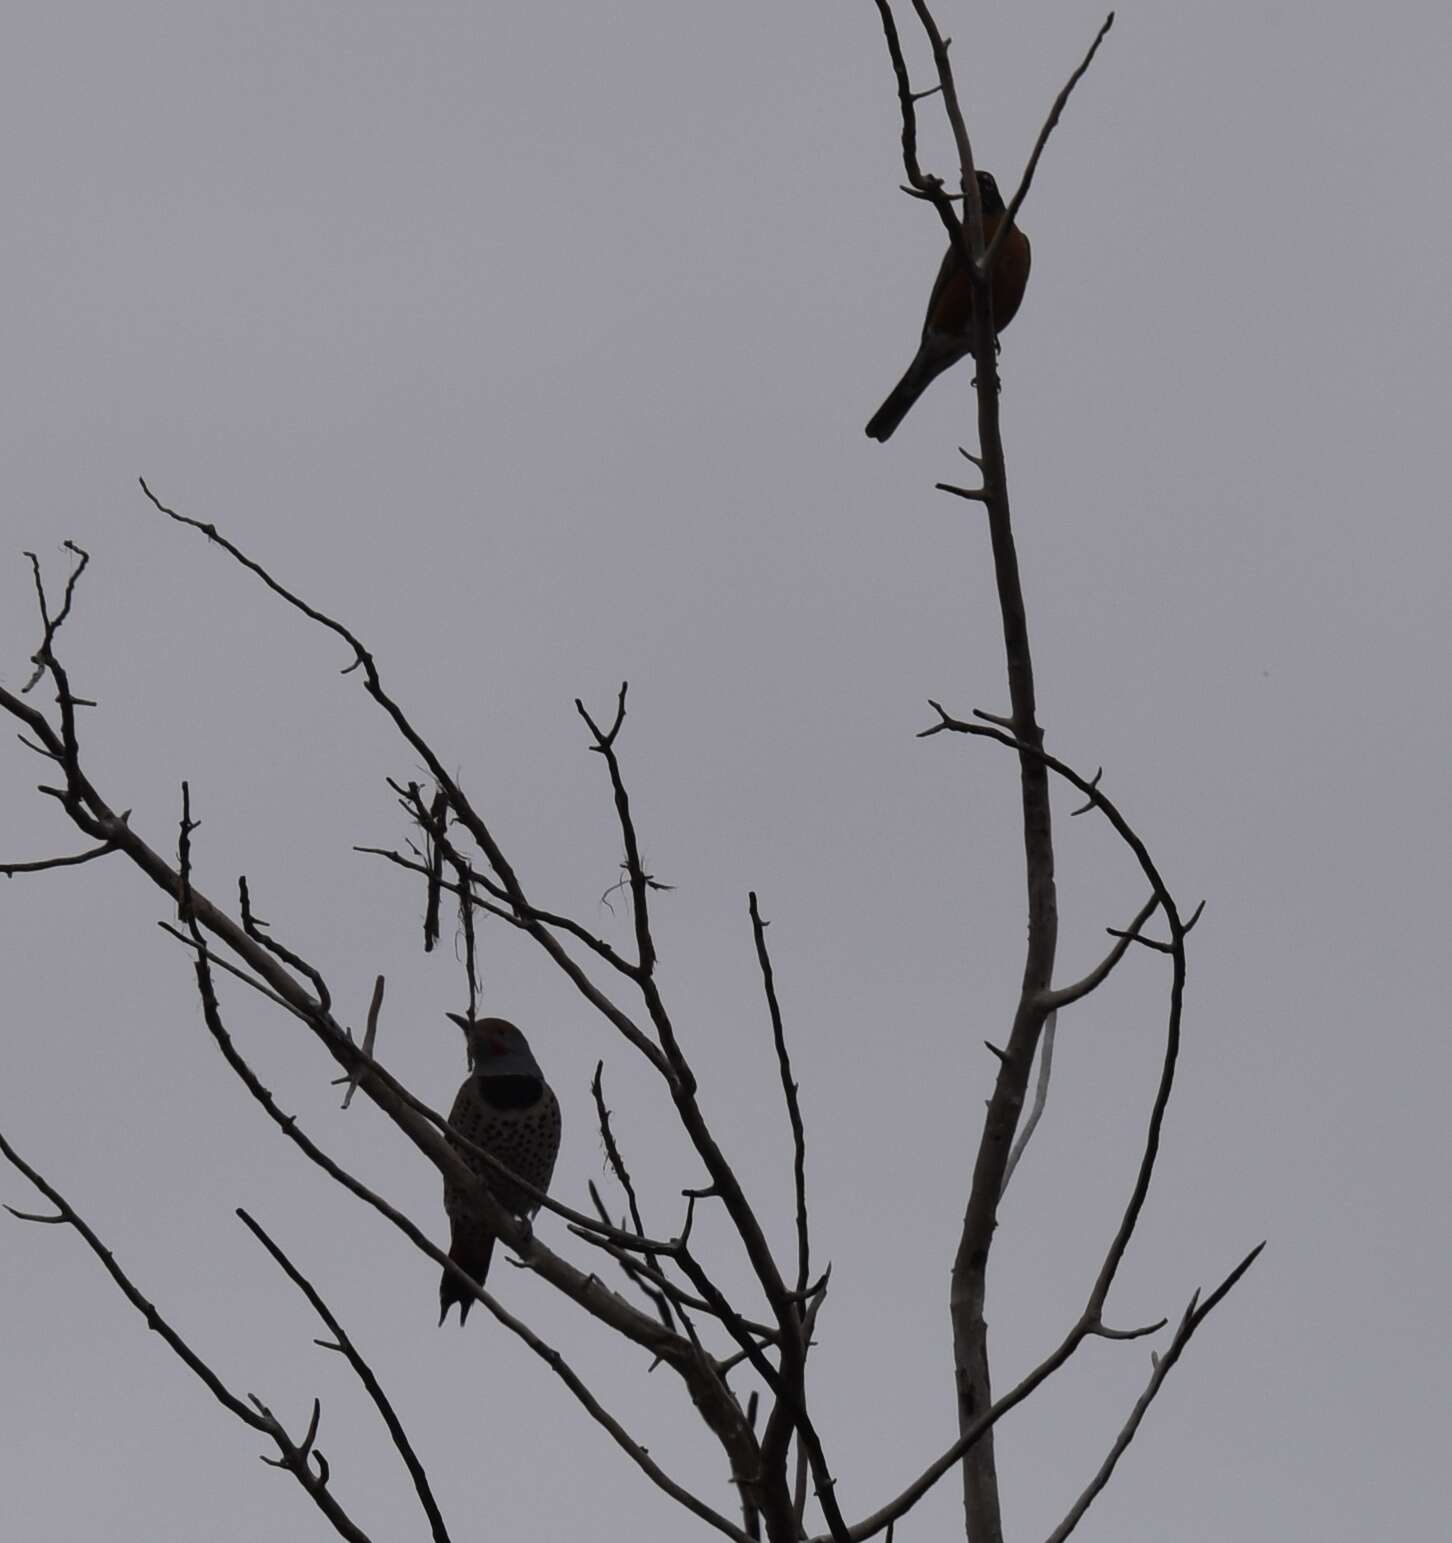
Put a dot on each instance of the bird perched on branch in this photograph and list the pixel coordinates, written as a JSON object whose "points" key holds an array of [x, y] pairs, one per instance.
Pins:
{"points": [[506, 1107], [948, 327]]}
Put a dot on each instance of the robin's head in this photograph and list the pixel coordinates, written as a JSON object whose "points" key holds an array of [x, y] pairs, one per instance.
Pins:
{"points": [[497, 1048], [988, 194]]}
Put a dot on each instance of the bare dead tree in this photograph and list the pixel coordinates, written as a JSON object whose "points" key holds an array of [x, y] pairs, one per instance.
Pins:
{"points": [[742, 1362]]}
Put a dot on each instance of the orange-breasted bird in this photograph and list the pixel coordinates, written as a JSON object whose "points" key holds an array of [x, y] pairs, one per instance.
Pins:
{"points": [[948, 327]]}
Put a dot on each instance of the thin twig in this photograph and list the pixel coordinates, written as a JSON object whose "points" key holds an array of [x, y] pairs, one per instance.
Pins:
{"points": [[366, 1376], [256, 929], [437, 829], [10, 869], [1065, 995], [293, 1457], [789, 1092], [1050, 123], [1132, 936], [370, 1036], [718, 1307], [661, 1303], [1195, 1315], [615, 1158], [44, 657]]}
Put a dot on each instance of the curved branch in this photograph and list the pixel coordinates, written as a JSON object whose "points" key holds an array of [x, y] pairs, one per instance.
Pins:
{"points": [[1176, 946], [1065, 995], [1194, 1316], [1090, 1321], [74, 861], [293, 1457], [365, 1375]]}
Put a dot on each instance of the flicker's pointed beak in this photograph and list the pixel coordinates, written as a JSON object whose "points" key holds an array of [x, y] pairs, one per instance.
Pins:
{"points": [[460, 1019]]}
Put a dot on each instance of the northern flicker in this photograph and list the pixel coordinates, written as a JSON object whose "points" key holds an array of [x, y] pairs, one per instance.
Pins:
{"points": [[505, 1106]]}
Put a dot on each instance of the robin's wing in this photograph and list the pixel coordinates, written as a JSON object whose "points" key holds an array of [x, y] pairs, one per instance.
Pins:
{"points": [[951, 264], [955, 313]]}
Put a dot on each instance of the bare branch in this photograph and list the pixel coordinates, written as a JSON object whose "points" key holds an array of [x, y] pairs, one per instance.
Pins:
{"points": [[43, 657], [1065, 995], [612, 1150], [30, 744], [615, 1158], [1150, 1328], [746, 1334], [787, 1384], [11, 869], [34, 1216], [256, 929], [640, 882], [218, 963], [1134, 936], [718, 1308], [63, 747], [968, 181], [906, 96], [1050, 123], [466, 923], [1194, 1316], [370, 1036], [1088, 803], [789, 1092], [437, 827], [293, 1457], [1176, 948], [803, 1463], [365, 1375], [657, 1299], [971, 1434], [1090, 1321], [973, 495]]}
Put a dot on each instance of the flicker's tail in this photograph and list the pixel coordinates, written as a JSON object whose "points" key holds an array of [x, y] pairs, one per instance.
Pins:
{"points": [[470, 1249], [921, 373]]}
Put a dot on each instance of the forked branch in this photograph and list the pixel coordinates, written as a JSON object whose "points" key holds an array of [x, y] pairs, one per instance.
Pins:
{"points": [[292, 1455]]}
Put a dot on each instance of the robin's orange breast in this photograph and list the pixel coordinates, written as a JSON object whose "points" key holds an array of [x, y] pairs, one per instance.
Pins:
{"points": [[952, 309]]}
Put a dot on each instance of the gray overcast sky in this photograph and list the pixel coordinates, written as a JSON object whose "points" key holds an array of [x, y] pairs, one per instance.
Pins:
{"points": [[536, 342]]}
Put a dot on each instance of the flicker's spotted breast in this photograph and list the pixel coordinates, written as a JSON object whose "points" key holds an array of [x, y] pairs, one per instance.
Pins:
{"points": [[506, 1107]]}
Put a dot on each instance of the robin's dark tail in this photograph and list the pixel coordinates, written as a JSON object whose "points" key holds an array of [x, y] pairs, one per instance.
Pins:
{"points": [[471, 1250], [921, 373]]}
